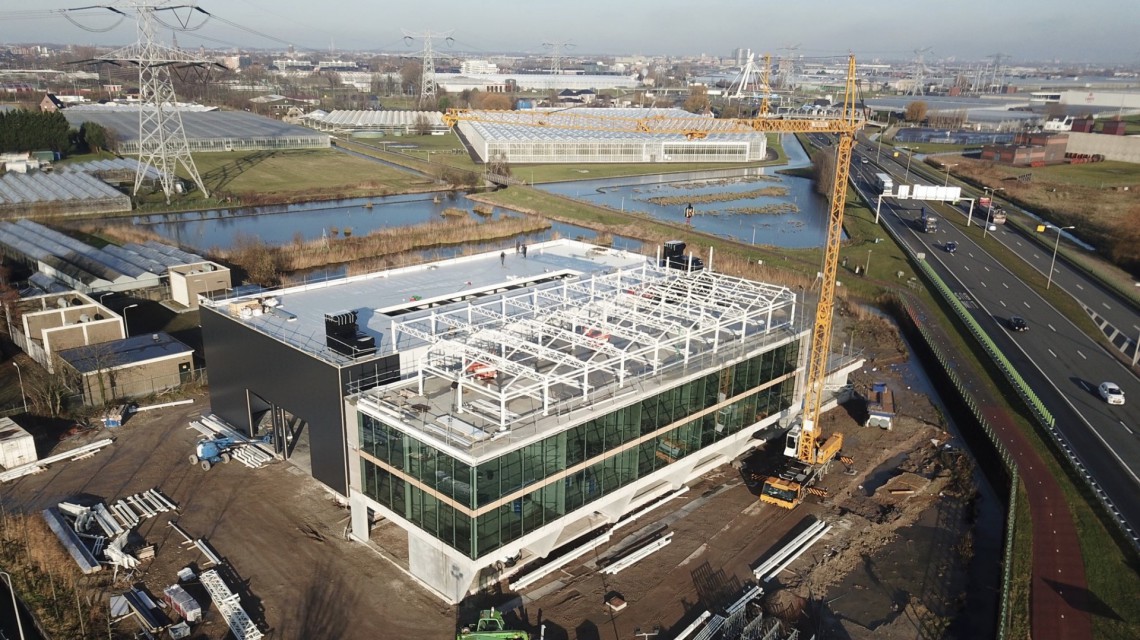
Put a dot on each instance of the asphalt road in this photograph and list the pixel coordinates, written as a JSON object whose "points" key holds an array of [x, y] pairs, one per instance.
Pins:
{"points": [[1061, 363]]}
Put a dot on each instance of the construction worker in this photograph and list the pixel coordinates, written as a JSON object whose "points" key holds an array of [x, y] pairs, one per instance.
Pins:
{"points": [[503, 258], [689, 214]]}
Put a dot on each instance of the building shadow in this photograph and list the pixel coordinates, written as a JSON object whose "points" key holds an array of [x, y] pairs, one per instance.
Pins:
{"points": [[1082, 599], [715, 589], [324, 601]]}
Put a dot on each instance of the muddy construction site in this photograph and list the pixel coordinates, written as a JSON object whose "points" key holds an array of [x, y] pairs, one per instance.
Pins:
{"points": [[895, 564]]}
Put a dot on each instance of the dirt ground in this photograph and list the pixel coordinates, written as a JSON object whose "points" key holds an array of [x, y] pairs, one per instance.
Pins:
{"points": [[278, 529], [283, 536]]}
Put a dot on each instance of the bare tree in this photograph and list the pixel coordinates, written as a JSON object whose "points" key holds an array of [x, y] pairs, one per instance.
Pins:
{"points": [[48, 391], [916, 111], [823, 168]]}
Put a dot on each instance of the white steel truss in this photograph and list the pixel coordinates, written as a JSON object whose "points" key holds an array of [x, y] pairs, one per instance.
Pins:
{"points": [[558, 340]]}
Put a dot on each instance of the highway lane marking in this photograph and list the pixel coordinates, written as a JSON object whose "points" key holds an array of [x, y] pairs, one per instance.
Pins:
{"points": [[983, 266], [1126, 427], [1051, 353], [984, 284], [1105, 305], [1026, 304], [1002, 302], [1005, 285], [1051, 327], [1081, 354], [965, 267], [1080, 287]]}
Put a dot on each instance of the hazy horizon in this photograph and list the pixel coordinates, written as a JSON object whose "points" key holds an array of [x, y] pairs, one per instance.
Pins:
{"points": [[1040, 31]]}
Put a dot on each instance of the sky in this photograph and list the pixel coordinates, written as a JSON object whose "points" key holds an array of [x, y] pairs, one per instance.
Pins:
{"points": [[1098, 31]]}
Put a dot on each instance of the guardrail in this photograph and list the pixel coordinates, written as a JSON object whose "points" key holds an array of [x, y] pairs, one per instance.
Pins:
{"points": [[1011, 373], [1003, 452], [1044, 417]]}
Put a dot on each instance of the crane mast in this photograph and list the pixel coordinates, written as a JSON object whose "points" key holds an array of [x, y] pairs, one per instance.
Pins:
{"points": [[813, 455]]}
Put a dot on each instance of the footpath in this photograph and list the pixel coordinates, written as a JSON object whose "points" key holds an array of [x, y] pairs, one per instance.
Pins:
{"points": [[1059, 596]]}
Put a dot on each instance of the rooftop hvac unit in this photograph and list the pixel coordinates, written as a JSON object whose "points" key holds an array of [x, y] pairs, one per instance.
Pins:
{"points": [[61, 303], [208, 267], [99, 316], [77, 302], [270, 302], [83, 317]]}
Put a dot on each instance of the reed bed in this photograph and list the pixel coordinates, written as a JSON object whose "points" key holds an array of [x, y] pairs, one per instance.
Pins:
{"points": [[766, 192]]}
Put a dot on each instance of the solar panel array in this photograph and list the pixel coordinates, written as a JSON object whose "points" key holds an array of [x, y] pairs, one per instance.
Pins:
{"points": [[22, 189]]}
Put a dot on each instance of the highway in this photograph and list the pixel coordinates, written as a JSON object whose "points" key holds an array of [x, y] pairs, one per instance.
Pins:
{"points": [[1061, 363]]}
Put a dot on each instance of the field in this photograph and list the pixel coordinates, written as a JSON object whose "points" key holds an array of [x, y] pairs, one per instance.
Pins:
{"points": [[286, 173], [1092, 197]]}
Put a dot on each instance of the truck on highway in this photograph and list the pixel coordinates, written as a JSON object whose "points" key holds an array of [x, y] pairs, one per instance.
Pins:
{"points": [[995, 215], [926, 222], [886, 185]]}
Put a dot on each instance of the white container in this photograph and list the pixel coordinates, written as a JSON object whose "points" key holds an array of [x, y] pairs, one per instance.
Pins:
{"points": [[17, 447]]}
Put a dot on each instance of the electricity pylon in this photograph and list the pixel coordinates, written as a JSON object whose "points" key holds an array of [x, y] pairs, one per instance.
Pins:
{"points": [[427, 75], [162, 140], [556, 55]]}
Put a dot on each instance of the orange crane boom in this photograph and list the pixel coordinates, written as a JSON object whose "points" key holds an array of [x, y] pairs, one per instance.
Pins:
{"points": [[809, 451]]}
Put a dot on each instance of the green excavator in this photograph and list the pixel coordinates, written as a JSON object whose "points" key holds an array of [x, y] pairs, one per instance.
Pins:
{"points": [[490, 627]]}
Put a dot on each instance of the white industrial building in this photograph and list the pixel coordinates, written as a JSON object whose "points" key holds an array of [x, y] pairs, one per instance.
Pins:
{"points": [[356, 121], [498, 82], [606, 135]]}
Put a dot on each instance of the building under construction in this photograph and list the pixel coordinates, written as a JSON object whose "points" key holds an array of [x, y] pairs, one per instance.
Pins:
{"points": [[498, 407]]}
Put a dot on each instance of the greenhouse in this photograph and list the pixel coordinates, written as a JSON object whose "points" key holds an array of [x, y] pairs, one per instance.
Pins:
{"points": [[605, 135], [208, 131]]}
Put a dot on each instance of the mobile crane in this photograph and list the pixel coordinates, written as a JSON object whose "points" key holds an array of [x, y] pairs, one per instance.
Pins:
{"points": [[811, 453]]}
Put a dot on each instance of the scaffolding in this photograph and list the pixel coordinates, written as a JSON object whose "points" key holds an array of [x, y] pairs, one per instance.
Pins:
{"points": [[553, 345]]}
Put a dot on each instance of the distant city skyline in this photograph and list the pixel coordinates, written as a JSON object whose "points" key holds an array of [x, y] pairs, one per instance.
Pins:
{"points": [[1096, 31]]}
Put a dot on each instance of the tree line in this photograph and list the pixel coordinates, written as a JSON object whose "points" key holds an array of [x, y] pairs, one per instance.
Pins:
{"points": [[24, 130]]}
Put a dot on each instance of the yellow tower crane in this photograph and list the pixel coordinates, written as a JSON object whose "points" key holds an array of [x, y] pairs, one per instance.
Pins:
{"points": [[811, 451]]}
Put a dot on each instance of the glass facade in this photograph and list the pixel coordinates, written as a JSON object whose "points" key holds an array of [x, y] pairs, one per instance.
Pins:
{"points": [[620, 447]]}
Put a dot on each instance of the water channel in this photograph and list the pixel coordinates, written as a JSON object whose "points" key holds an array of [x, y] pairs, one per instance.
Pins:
{"points": [[282, 224]]}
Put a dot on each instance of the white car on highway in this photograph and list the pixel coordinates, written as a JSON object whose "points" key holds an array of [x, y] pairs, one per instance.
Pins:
{"points": [[1111, 393]]}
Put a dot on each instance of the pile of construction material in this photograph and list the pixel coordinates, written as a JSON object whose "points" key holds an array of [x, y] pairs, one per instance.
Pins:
{"points": [[251, 454], [96, 535], [37, 466], [780, 560], [742, 620]]}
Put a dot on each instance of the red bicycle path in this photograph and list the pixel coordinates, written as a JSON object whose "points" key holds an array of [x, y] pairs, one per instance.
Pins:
{"points": [[1059, 597]]}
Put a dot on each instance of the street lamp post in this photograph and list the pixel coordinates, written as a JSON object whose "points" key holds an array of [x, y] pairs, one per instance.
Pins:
{"points": [[1056, 244], [879, 148], [104, 295], [946, 182], [909, 157], [15, 605], [127, 326], [23, 396]]}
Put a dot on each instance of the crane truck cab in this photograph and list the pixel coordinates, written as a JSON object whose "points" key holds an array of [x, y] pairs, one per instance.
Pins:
{"points": [[791, 486], [673, 257]]}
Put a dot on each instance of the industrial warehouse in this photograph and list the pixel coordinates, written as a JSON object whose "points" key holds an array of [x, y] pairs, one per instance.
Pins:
{"points": [[607, 135], [497, 408]]}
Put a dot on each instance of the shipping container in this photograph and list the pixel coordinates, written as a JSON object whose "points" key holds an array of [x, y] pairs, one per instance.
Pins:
{"points": [[17, 447]]}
